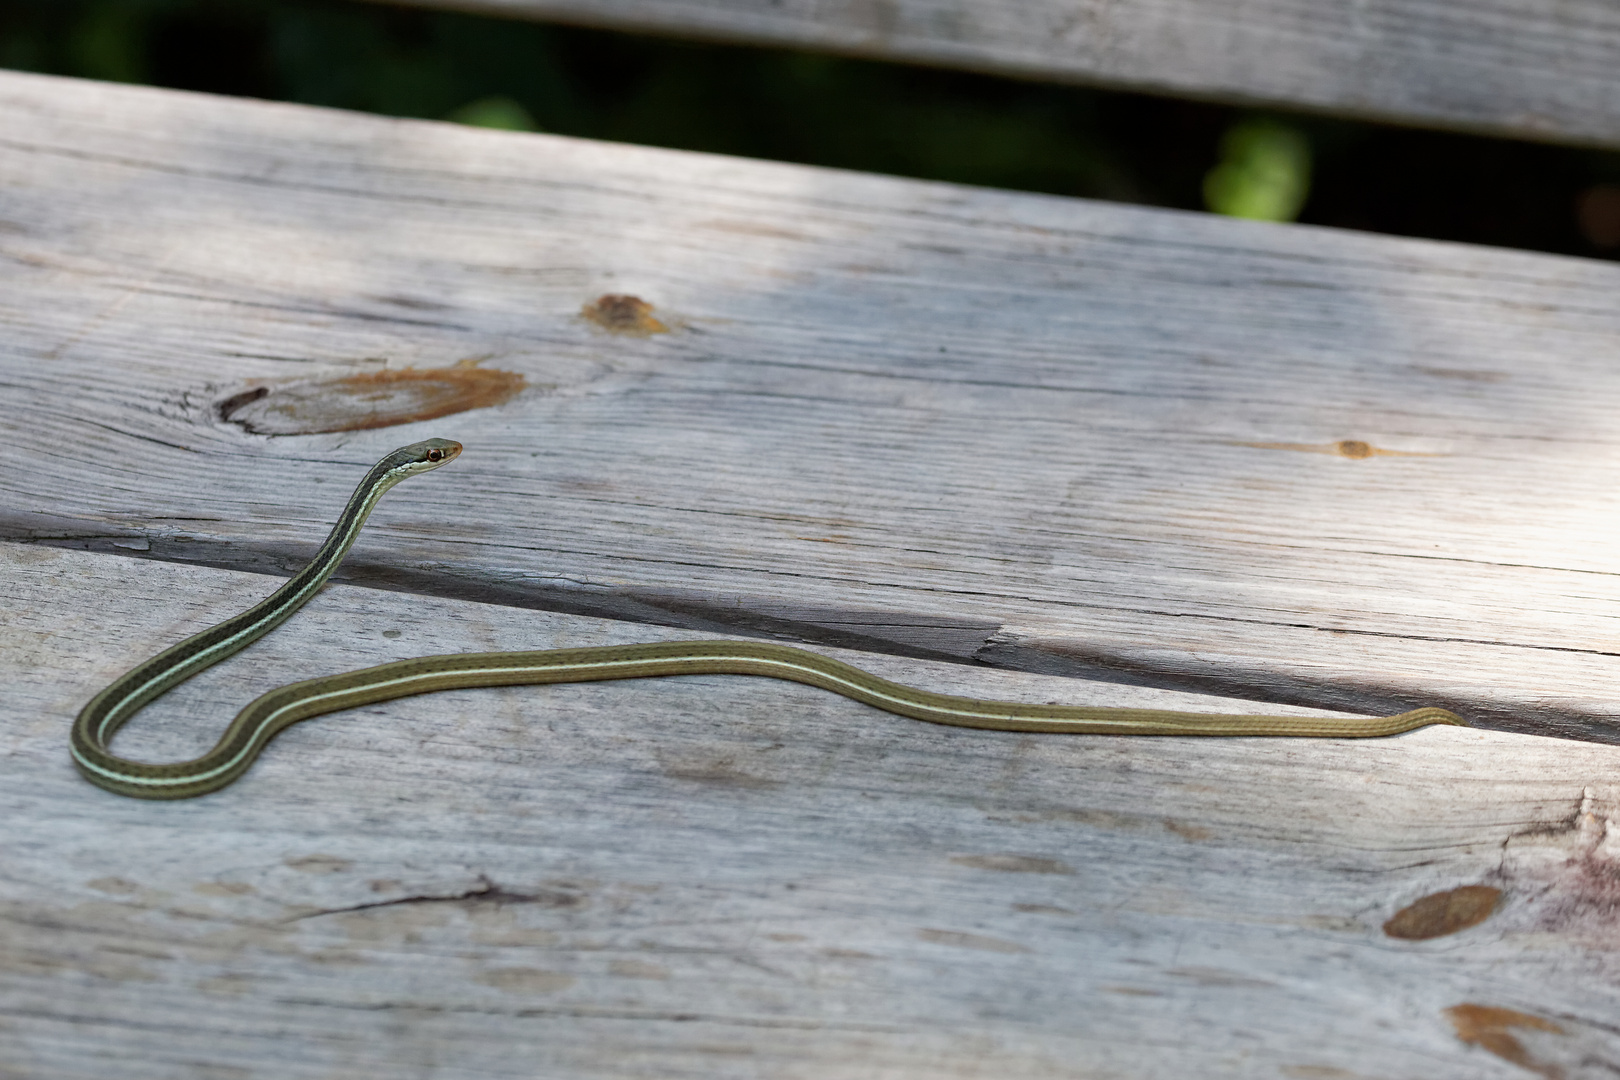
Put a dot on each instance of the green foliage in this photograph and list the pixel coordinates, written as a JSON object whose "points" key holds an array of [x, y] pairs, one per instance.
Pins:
{"points": [[494, 111], [1264, 172]]}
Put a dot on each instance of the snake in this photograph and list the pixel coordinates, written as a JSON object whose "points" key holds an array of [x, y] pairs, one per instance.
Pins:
{"points": [[266, 716]]}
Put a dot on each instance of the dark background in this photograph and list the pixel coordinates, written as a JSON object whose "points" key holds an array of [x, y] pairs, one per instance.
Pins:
{"points": [[803, 107]]}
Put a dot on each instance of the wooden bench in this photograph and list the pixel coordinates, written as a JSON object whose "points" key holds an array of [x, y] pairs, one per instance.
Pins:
{"points": [[1519, 70], [984, 442]]}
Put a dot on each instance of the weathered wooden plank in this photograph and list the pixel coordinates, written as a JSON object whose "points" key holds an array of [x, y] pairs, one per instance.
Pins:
{"points": [[1536, 70], [723, 877], [1282, 462]]}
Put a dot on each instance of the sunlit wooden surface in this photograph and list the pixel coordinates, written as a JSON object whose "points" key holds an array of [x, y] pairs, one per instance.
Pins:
{"points": [[1279, 462], [946, 430], [724, 877]]}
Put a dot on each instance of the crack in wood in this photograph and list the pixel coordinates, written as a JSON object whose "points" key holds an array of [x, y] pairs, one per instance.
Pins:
{"points": [[486, 892], [962, 640]]}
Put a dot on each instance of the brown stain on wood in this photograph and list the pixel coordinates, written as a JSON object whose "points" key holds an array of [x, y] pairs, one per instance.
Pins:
{"points": [[374, 399], [1492, 1029], [716, 772], [1013, 864], [1041, 909], [1354, 449], [523, 980], [1195, 833], [622, 314], [222, 888], [1442, 913], [961, 940], [319, 864]]}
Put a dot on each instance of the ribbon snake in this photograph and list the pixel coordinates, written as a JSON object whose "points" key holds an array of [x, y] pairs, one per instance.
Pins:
{"points": [[261, 720]]}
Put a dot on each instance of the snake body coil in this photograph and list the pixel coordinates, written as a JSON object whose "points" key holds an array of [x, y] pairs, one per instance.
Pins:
{"points": [[259, 722]]}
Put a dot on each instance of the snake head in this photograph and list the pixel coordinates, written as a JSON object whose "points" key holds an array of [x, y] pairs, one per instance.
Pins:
{"points": [[425, 455]]}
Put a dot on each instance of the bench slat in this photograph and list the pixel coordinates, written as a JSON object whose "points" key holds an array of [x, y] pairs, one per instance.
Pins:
{"points": [[1522, 70], [731, 877], [1285, 463]]}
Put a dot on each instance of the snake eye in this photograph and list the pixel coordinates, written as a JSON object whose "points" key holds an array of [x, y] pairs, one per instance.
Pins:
{"points": [[435, 455]]}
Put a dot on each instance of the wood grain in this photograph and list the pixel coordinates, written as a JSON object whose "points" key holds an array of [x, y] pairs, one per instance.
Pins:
{"points": [[1040, 433], [1528, 70], [727, 877]]}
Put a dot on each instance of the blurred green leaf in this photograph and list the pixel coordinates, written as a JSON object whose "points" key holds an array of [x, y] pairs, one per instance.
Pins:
{"points": [[496, 111], [1264, 172]]}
